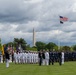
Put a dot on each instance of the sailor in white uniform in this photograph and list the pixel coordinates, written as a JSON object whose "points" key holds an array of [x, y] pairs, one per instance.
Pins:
{"points": [[47, 58], [62, 57]]}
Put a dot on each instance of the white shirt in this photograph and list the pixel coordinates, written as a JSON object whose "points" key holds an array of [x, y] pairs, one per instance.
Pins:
{"points": [[46, 55]]}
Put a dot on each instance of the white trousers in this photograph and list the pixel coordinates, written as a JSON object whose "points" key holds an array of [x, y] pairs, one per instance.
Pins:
{"points": [[43, 62], [47, 61], [7, 63], [62, 60], [26, 59]]}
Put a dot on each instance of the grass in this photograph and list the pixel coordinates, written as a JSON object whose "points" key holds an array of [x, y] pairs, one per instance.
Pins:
{"points": [[69, 68]]}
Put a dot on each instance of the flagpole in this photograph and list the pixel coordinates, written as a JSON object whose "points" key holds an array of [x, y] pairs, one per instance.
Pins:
{"points": [[58, 44], [58, 40], [62, 20]]}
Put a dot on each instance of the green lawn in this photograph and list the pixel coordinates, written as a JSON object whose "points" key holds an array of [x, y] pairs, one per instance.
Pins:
{"points": [[69, 68]]}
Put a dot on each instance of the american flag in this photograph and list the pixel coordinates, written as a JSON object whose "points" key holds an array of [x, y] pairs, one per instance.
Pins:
{"points": [[63, 18]]}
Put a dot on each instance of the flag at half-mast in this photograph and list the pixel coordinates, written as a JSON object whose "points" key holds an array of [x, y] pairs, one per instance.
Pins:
{"points": [[63, 19]]}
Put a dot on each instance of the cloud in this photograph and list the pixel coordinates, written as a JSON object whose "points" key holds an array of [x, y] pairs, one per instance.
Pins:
{"points": [[19, 17]]}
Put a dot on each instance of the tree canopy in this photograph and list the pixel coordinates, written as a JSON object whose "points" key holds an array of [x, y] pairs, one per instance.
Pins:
{"points": [[39, 45], [50, 46]]}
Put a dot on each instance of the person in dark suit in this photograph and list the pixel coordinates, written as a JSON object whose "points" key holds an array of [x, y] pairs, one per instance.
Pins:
{"points": [[40, 58], [52, 57], [49, 57], [7, 58], [60, 58], [5, 48], [43, 57]]}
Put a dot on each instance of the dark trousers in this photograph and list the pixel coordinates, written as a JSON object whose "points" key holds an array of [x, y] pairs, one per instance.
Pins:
{"points": [[3, 58], [52, 61], [40, 61], [49, 61], [12, 58], [60, 61]]}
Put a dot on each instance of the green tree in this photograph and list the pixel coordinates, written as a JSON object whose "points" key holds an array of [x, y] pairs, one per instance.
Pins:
{"points": [[66, 48], [10, 43], [21, 42], [74, 47], [56, 48], [51, 46], [40, 45]]}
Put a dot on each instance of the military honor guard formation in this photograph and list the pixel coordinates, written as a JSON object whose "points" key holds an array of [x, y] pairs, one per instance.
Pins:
{"points": [[41, 57]]}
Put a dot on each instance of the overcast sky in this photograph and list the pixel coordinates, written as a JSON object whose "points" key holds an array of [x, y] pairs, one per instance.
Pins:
{"points": [[19, 17]]}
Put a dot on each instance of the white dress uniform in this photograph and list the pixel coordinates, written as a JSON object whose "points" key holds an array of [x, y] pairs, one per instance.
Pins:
{"points": [[62, 57], [19, 57], [23, 57], [26, 55], [32, 58], [29, 58], [36, 57], [47, 58], [15, 57]]}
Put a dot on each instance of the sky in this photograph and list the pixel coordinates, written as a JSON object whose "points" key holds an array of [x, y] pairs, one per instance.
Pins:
{"points": [[19, 17]]}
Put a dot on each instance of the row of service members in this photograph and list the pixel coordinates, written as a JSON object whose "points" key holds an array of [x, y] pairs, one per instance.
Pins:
{"points": [[26, 57], [68, 56], [32, 57], [49, 57]]}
